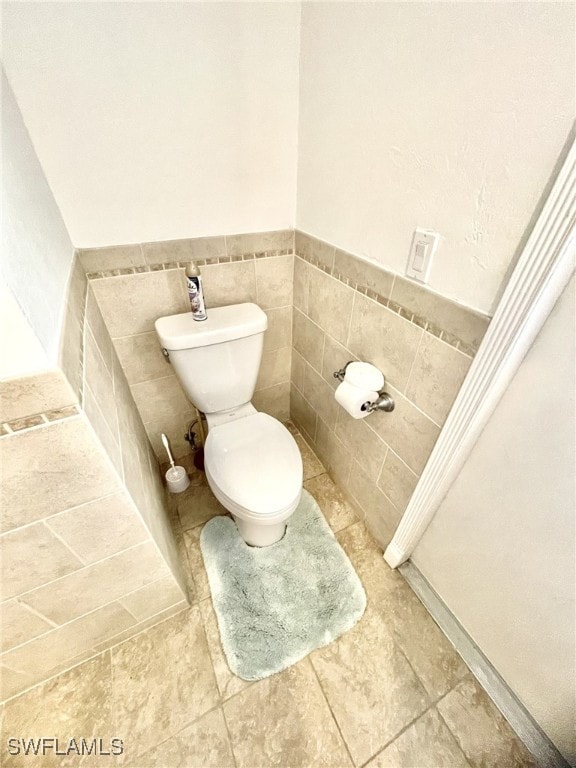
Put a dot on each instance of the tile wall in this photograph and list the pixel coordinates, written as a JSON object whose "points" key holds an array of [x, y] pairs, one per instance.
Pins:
{"points": [[134, 285], [86, 549], [346, 308]]}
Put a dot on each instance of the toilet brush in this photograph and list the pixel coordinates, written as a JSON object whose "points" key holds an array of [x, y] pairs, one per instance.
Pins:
{"points": [[177, 478]]}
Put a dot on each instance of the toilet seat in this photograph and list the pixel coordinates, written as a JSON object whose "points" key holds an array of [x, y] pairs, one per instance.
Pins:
{"points": [[254, 468]]}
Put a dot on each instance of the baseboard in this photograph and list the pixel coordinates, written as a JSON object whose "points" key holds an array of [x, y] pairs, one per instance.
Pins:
{"points": [[527, 729]]}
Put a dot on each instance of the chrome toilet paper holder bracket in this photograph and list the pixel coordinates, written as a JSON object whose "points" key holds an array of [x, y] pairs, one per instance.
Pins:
{"points": [[384, 402]]}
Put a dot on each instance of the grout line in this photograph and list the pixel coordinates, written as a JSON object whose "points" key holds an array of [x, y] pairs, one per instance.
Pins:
{"points": [[413, 363], [325, 696]]}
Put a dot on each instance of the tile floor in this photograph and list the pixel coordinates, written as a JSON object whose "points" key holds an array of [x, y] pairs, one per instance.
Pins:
{"points": [[391, 692]]}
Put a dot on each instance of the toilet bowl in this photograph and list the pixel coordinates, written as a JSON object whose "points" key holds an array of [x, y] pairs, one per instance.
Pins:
{"points": [[254, 469], [252, 462]]}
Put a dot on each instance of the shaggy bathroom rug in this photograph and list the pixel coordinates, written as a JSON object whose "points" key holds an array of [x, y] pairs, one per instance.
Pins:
{"points": [[276, 604]]}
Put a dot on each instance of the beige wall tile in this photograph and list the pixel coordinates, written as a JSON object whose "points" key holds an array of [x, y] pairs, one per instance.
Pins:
{"points": [[465, 324], [383, 338], [141, 357], [308, 339], [258, 242], [99, 378], [301, 275], [408, 431], [381, 517], [19, 624], [303, 735], [302, 413], [330, 304], [297, 370], [312, 466], [98, 328], [40, 392], [76, 297], [397, 481], [160, 399], [320, 396], [101, 528], [172, 660], [76, 702], [363, 272], [136, 629], [436, 377], [275, 367], [334, 359], [131, 303], [169, 251], [274, 400], [48, 654], [70, 352], [58, 466], [98, 584], [153, 598], [110, 442], [309, 246], [279, 331], [111, 257], [232, 283], [426, 742], [174, 427], [362, 442], [332, 453], [274, 281]]}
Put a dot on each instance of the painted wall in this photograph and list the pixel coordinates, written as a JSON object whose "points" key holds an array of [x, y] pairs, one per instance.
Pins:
{"points": [[500, 551], [36, 250], [160, 120], [449, 116], [20, 351]]}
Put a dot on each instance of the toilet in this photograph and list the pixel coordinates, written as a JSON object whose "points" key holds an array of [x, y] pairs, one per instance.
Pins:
{"points": [[252, 462]]}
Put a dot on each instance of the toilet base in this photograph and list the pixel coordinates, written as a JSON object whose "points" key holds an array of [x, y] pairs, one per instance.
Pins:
{"points": [[258, 535]]}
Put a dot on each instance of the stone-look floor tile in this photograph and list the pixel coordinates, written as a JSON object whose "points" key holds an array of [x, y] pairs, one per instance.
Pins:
{"points": [[163, 680], [312, 464], [198, 505], [336, 509], [196, 561], [228, 683], [427, 743], [204, 744], [76, 704], [481, 731], [426, 647], [366, 557], [370, 686], [284, 721]]}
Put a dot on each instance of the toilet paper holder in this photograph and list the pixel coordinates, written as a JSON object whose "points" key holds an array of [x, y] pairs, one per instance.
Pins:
{"points": [[384, 402]]}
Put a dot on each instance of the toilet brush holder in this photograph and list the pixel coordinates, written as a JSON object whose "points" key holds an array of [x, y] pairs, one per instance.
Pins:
{"points": [[177, 479]]}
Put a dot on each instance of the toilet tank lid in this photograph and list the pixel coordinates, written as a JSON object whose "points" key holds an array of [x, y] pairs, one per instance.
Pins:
{"points": [[222, 324]]}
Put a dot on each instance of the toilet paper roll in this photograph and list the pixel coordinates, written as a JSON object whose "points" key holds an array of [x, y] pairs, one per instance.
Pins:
{"points": [[364, 376], [352, 399]]}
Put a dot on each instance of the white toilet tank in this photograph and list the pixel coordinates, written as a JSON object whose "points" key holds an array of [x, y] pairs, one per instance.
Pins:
{"points": [[217, 359]]}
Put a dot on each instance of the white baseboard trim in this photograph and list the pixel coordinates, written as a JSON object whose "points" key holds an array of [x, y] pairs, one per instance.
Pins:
{"points": [[527, 729]]}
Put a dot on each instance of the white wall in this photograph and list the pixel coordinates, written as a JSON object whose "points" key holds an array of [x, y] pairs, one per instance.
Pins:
{"points": [[500, 551], [20, 351], [156, 121], [449, 116], [36, 251]]}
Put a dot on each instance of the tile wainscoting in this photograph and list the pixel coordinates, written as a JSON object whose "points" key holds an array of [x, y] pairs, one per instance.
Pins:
{"points": [[132, 288], [345, 309]]}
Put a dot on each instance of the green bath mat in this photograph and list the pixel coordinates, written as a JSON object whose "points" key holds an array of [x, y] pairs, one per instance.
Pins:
{"points": [[276, 604]]}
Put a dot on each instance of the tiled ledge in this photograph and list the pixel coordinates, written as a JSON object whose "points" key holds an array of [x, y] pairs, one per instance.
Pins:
{"points": [[19, 425]]}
